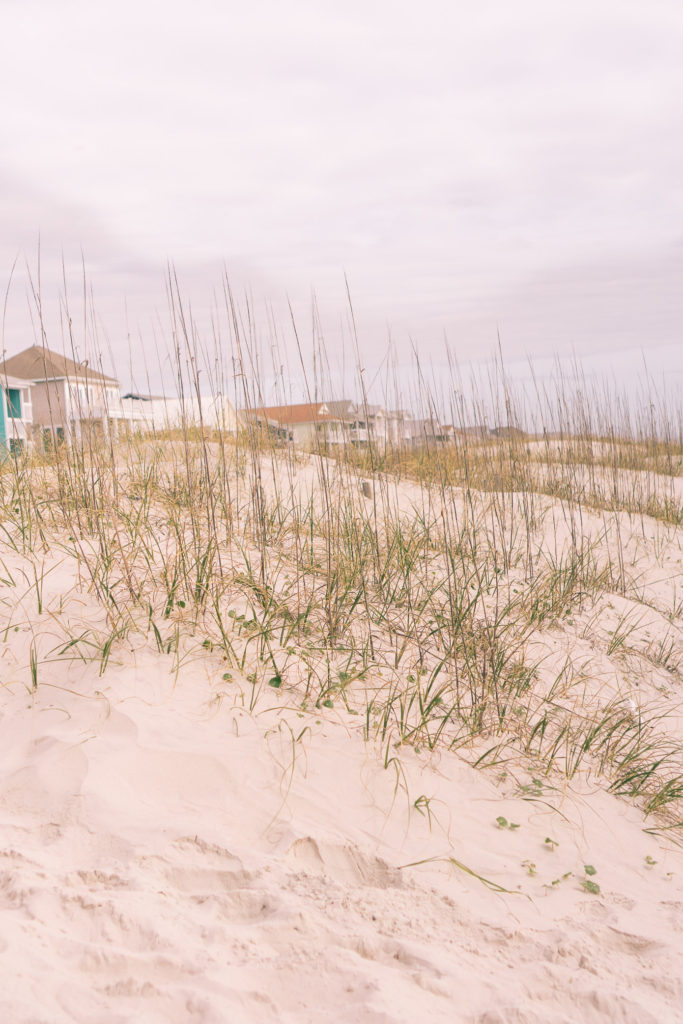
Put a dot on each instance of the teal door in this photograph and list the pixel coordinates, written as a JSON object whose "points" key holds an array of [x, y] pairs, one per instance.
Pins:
{"points": [[3, 419]]}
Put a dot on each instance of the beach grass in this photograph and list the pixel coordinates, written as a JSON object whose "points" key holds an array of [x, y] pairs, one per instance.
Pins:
{"points": [[516, 601]]}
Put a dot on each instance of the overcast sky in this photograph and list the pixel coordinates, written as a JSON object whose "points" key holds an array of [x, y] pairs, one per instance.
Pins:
{"points": [[511, 165]]}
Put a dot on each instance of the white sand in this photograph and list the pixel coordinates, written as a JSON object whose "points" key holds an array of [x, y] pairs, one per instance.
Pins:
{"points": [[168, 856], [164, 860]]}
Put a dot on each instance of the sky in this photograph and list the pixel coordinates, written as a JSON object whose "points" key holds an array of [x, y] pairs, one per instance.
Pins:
{"points": [[508, 170]]}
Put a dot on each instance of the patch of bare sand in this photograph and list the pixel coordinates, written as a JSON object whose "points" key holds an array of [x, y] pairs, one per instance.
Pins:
{"points": [[167, 856]]}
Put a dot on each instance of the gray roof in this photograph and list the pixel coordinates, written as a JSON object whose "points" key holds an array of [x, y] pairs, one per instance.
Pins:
{"points": [[39, 363], [134, 396], [341, 408]]}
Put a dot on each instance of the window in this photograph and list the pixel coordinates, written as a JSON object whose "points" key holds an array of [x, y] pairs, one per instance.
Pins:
{"points": [[14, 403]]}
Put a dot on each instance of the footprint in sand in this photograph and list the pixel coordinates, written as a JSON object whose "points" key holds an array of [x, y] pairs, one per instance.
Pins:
{"points": [[197, 868], [343, 863]]}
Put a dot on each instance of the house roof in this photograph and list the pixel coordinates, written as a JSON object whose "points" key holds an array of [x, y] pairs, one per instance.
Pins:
{"points": [[429, 425], [134, 396], [509, 432], [39, 363], [306, 412], [342, 408]]}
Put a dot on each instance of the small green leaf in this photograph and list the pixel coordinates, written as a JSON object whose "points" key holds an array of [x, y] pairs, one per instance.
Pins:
{"points": [[589, 869], [502, 822], [227, 676], [591, 887], [275, 681]]}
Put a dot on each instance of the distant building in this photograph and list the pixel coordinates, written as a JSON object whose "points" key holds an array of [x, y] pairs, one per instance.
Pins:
{"points": [[219, 413], [479, 432], [16, 413], [367, 425], [510, 433], [303, 424], [343, 421], [148, 413], [141, 412], [336, 422], [425, 431], [161, 412], [69, 399], [398, 428]]}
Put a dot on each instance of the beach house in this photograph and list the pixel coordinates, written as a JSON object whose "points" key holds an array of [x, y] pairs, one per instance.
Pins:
{"points": [[168, 412], [306, 423], [69, 399]]}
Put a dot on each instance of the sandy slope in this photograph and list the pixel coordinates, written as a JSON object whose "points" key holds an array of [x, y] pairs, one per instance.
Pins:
{"points": [[169, 856], [166, 858]]}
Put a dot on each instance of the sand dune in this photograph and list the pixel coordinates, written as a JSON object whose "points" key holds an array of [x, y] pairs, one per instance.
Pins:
{"points": [[167, 857], [169, 854]]}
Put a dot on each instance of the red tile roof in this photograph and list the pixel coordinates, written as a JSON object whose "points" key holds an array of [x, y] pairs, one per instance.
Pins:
{"points": [[306, 412]]}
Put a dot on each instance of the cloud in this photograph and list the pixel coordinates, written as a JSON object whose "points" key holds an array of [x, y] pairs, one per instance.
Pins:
{"points": [[466, 167]]}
